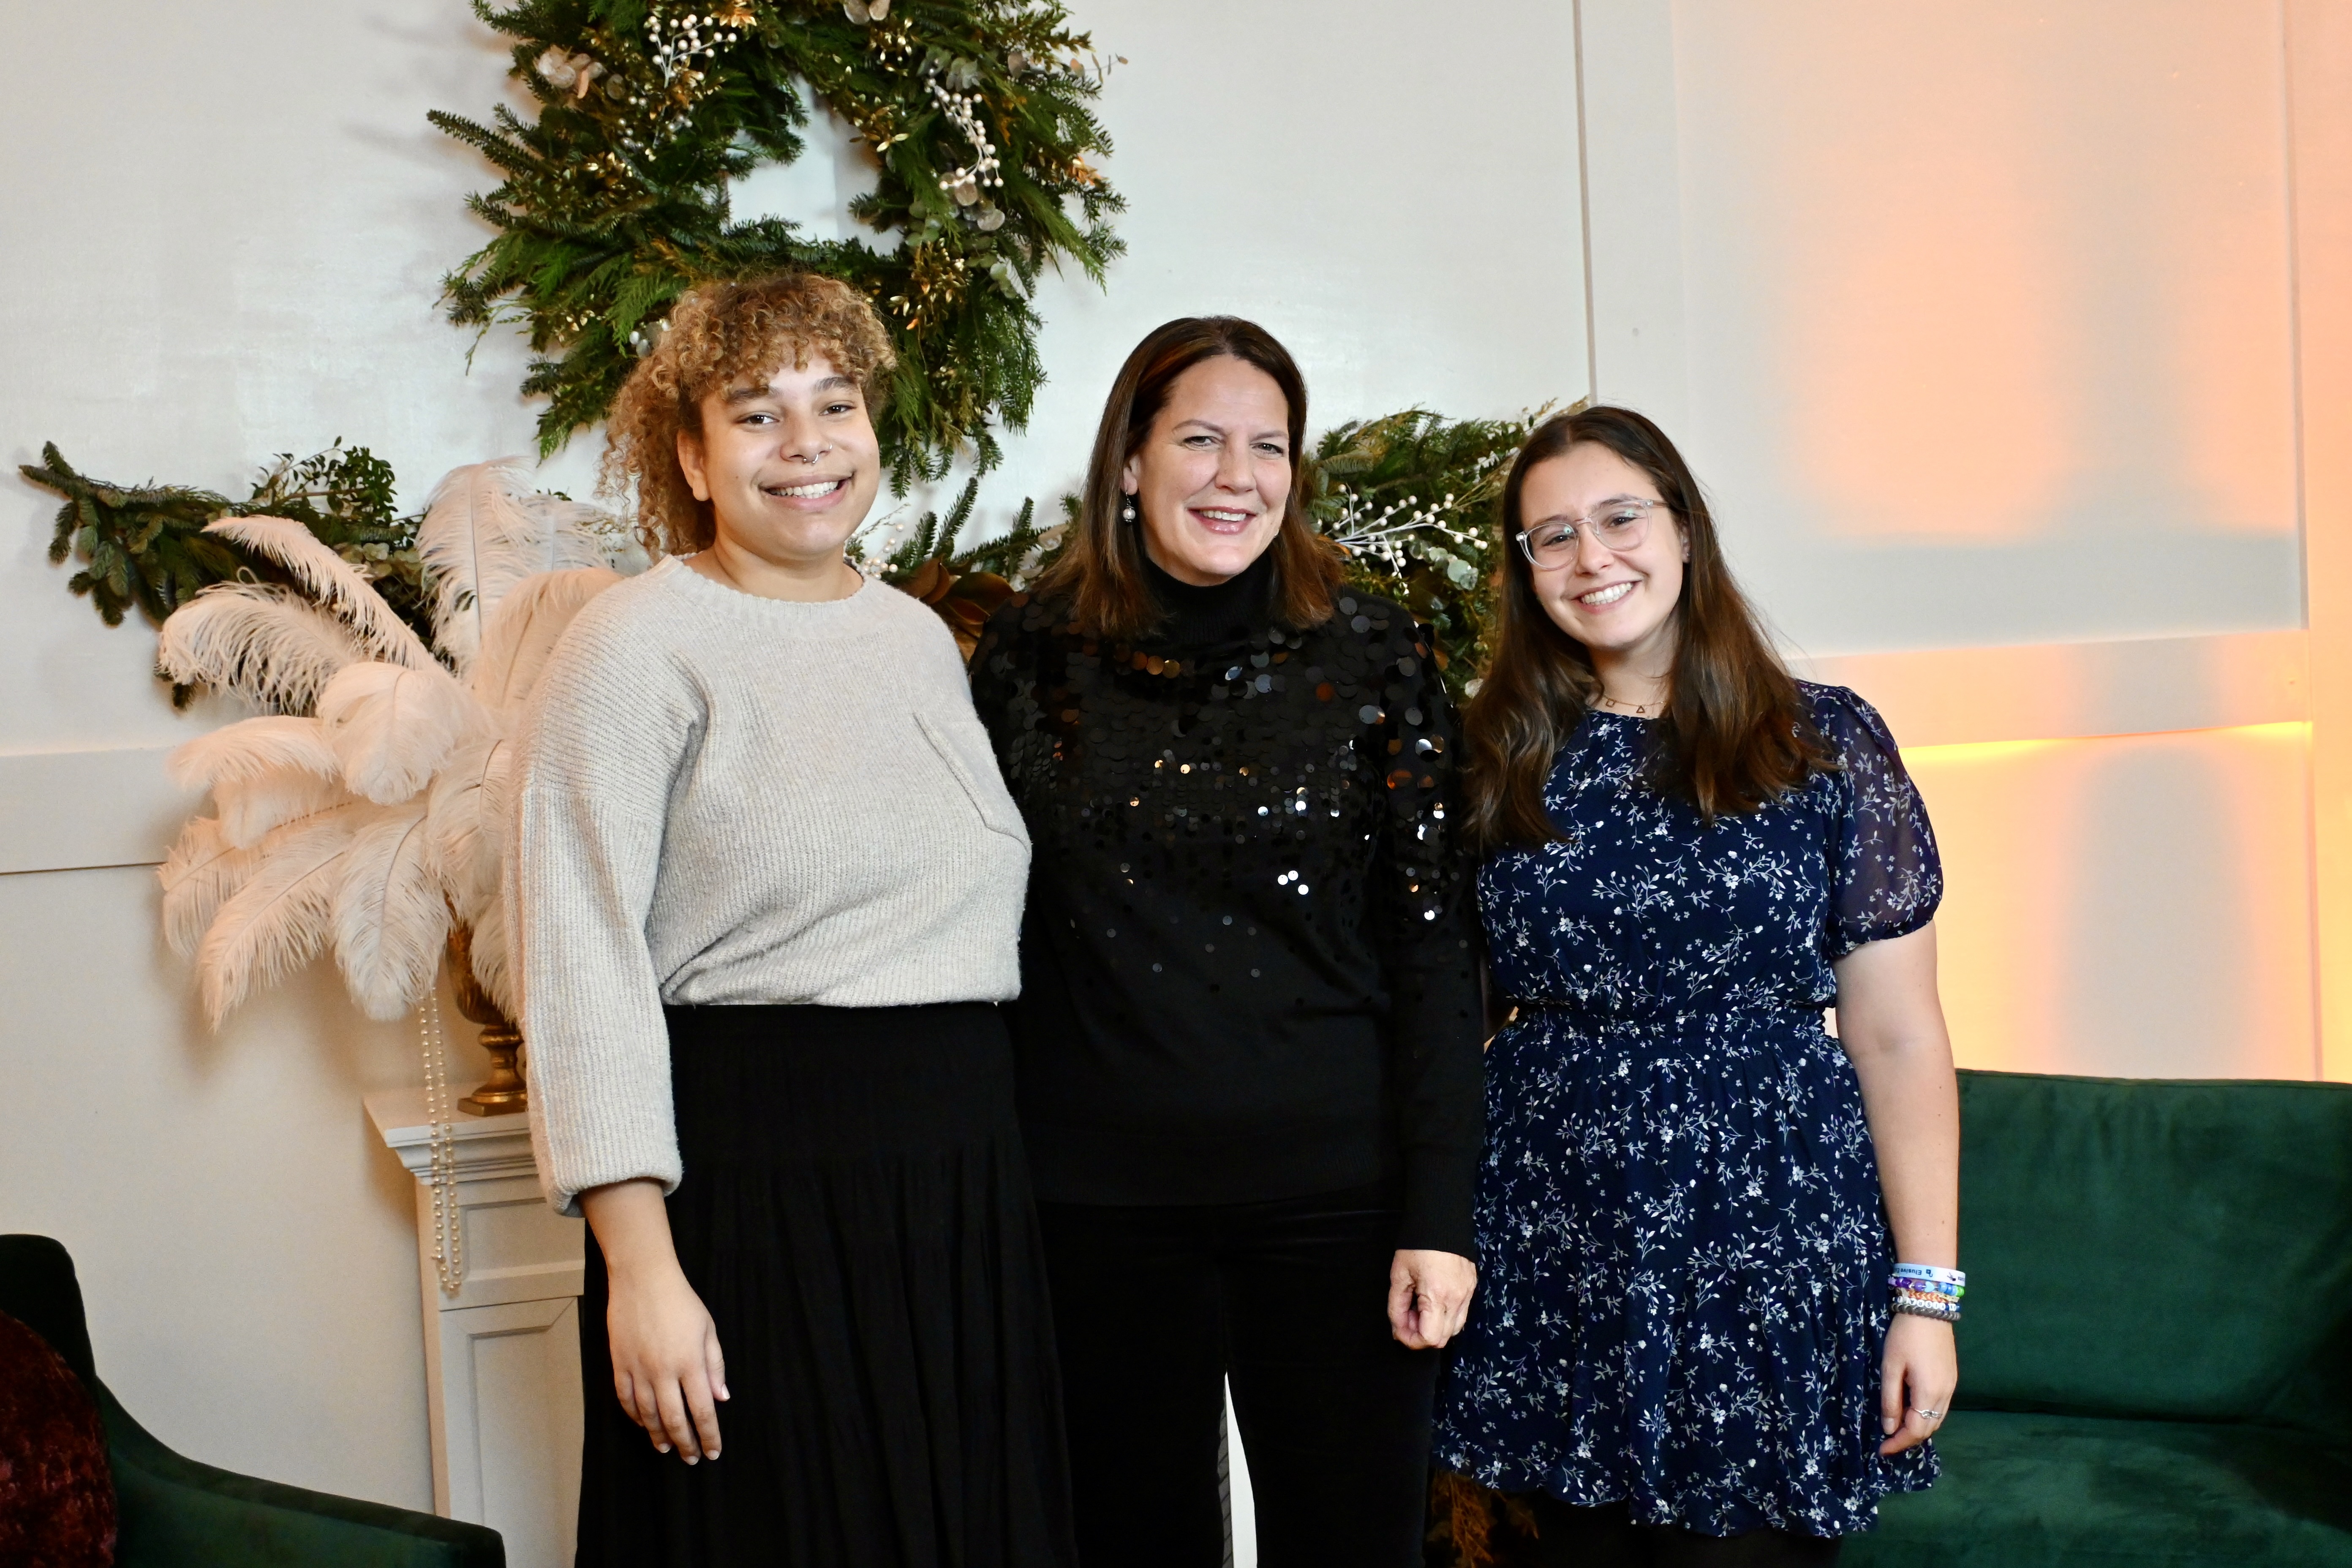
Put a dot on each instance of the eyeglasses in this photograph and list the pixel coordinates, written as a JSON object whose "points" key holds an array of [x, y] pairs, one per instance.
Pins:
{"points": [[1619, 524]]}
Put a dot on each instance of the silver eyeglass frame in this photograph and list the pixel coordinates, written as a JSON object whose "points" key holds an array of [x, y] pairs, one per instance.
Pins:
{"points": [[1577, 526]]}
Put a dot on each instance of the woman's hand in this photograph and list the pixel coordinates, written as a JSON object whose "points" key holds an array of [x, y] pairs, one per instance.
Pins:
{"points": [[1429, 1296], [666, 1366], [1921, 1371]]}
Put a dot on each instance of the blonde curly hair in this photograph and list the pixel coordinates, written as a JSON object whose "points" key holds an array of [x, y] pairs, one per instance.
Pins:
{"points": [[722, 335]]}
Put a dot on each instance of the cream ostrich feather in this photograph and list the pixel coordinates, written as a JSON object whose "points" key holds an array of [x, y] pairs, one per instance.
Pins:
{"points": [[263, 773], [392, 728], [491, 971], [334, 583], [202, 872], [251, 749], [261, 640], [530, 621], [485, 530], [252, 809], [468, 835], [276, 922], [390, 917], [291, 862]]}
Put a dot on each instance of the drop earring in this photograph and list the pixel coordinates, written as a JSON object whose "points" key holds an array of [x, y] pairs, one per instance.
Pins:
{"points": [[1126, 509]]}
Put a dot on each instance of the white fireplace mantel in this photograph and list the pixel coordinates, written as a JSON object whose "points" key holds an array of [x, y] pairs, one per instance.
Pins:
{"points": [[503, 1353]]}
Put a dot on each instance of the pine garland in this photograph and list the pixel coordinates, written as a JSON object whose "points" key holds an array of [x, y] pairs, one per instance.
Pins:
{"points": [[614, 200], [146, 544]]}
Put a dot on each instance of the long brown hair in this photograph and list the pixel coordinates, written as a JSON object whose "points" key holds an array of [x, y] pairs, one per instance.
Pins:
{"points": [[1099, 572], [1735, 732]]}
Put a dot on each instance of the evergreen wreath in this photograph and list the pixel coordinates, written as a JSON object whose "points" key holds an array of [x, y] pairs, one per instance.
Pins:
{"points": [[615, 198]]}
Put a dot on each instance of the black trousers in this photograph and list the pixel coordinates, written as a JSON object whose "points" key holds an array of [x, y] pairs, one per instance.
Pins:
{"points": [[1155, 1307], [1606, 1537]]}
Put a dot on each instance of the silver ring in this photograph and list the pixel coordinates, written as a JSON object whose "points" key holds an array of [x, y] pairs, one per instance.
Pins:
{"points": [[1930, 1415]]}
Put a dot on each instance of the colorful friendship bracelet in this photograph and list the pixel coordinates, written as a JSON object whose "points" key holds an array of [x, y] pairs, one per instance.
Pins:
{"points": [[1936, 1275], [1927, 1292]]}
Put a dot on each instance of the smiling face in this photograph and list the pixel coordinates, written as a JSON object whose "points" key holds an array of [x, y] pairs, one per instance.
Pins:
{"points": [[1620, 604], [790, 466], [1214, 473]]}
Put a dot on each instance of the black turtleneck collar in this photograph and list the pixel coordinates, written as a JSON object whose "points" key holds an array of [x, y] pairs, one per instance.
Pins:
{"points": [[1236, 610]]}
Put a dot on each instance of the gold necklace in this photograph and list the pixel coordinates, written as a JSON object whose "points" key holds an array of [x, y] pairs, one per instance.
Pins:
{"points": [[1638, 710]]}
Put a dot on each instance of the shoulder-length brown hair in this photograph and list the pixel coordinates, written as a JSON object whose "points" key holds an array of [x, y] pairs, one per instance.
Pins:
{"points": [[1099, 570], [1735, 732]]}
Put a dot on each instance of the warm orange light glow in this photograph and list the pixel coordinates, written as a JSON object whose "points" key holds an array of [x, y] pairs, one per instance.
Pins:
{"points": [[1975, 751], [2004, 750], [2001, 271], [2320, 32], [1933, 307], [2136, 905]]}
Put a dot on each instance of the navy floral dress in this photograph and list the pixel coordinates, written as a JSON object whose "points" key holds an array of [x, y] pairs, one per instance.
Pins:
{"points": [[1683, 1250]]}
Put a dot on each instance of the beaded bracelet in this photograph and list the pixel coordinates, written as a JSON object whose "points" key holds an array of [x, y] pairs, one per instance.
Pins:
{"points": [[1925, 1307], [1926, 1287]]}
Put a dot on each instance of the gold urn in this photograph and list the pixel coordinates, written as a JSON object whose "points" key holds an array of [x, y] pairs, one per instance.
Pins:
{"points": [[503, 1093]]}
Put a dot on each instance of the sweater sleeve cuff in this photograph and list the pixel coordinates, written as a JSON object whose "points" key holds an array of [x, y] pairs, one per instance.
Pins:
{"points": [[1438, 1185], [564, 1199], [569, 1167]]}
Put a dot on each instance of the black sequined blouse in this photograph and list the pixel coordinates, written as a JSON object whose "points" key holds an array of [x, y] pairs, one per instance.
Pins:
{"points": [[1248, 957]]}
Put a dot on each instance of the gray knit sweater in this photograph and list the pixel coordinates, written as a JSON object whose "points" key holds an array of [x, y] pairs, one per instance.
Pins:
{"points": [[730, 799]]}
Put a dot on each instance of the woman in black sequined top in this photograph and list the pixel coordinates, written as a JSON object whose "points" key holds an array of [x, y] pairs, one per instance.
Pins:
{"points": [[1249, 1034]]}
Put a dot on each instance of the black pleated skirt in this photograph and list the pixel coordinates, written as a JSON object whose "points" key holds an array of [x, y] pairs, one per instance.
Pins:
{"points": [[856, 1214]]}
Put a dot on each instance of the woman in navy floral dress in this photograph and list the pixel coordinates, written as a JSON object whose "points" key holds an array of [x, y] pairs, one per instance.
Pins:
{"points": [[1693, 1194]]}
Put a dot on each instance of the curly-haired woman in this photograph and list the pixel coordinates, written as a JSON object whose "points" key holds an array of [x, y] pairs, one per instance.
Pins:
{"points": [[1716, 1243], [768, 891], [1248, 1039]]}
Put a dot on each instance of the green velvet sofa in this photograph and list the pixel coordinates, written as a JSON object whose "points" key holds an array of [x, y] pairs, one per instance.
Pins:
{"points": [[174, 1510], [2156, 1359]]}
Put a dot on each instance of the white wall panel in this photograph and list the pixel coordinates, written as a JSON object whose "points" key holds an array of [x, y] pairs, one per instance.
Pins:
{"points": [[2052, 691], [1989, 315], [1978, 323]]}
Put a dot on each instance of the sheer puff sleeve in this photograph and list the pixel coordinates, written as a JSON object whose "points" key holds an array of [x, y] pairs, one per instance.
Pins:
{"points": [[1886, 876]]}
